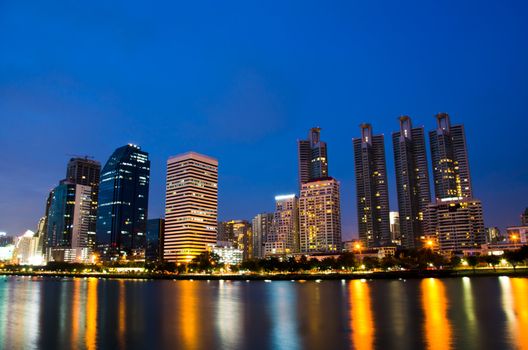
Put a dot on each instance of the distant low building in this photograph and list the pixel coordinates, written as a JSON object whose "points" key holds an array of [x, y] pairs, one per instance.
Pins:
{"points": [[457, 223], [228, 255], [517, 234]]}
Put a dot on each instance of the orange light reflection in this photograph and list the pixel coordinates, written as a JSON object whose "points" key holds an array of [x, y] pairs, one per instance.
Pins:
{"points": [[437, 328], [520, 308], [361, 319], [91, 314]]}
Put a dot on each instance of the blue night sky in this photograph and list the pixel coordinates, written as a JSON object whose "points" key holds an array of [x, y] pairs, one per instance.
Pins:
{"points": [[242, 81]]}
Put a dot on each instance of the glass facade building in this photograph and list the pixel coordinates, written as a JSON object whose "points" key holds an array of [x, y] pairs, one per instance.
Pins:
{"points": [[123, 202], [154, 239]]}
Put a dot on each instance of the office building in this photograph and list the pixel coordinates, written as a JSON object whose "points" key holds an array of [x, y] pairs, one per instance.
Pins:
{"points": [[412, 181], [372, 195], [450, 160], [283, 238], [238, 234], [68, 222], [261, 227], [85, 171], [228, 255], [123, 204], [154, 239], [313, 158], [457, 224], [320, 216], [191, 208]]}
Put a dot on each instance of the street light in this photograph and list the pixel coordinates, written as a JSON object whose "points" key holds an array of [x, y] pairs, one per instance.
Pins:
{"points": [[514, 238]]}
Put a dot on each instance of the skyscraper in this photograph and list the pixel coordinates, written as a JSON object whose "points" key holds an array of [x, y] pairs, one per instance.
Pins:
{"points": [[262, 226], [450, 160], [371, 188], [283, 238], [320, 216], [313, 159], [412, 181], [123, 203], [68, 223], [86, 172], [191, 207]]}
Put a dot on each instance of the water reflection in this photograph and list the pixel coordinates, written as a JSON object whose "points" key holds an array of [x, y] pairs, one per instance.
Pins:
{"points": [[520, 296], [437, 327], [361, 320], [433, 313], [228, 314], [76, 312], [91, 314], [187, 320], [515, 307], [284, 323]]}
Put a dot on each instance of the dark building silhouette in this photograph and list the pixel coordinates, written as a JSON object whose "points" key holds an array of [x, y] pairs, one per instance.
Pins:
{"points": [[154, 239], [450, 160], [371, 188], [412, 181], [524, 217], [123, 203], [85, 171], [313, 158]]}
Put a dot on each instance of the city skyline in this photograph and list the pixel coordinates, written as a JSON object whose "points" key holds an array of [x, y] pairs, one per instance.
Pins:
{"points": [[255, 98]]}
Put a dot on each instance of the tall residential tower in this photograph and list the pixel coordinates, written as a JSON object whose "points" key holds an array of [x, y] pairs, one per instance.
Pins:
{"points": [[450, 160], [412, 181], [313, 158], [371, 188], [320, 216]]}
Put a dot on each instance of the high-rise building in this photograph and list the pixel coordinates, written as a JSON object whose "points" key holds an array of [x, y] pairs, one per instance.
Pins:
{"points": [[313, 158], [191, 207], [457, 224], [154, 239], [261, 227], [283, 238], [371, 188], [450, 160], [320, 216], [237, 234], [123, 204], [412, 181], [68, 223], [86, 172]]}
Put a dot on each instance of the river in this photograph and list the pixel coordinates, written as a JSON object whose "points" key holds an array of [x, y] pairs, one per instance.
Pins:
{"points": [[90, 313]]}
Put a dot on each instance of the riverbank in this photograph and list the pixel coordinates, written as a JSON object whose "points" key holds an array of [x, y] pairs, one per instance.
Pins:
{"points": [[519, 272]]}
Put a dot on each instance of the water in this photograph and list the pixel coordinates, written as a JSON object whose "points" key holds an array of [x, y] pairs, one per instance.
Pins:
{"points": [[462, 313]]}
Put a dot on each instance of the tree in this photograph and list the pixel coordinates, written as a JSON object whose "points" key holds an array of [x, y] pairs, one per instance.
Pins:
{"points": [[347, 260], [370, 262], [514, 257], [472, 261], [492, 260]]}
